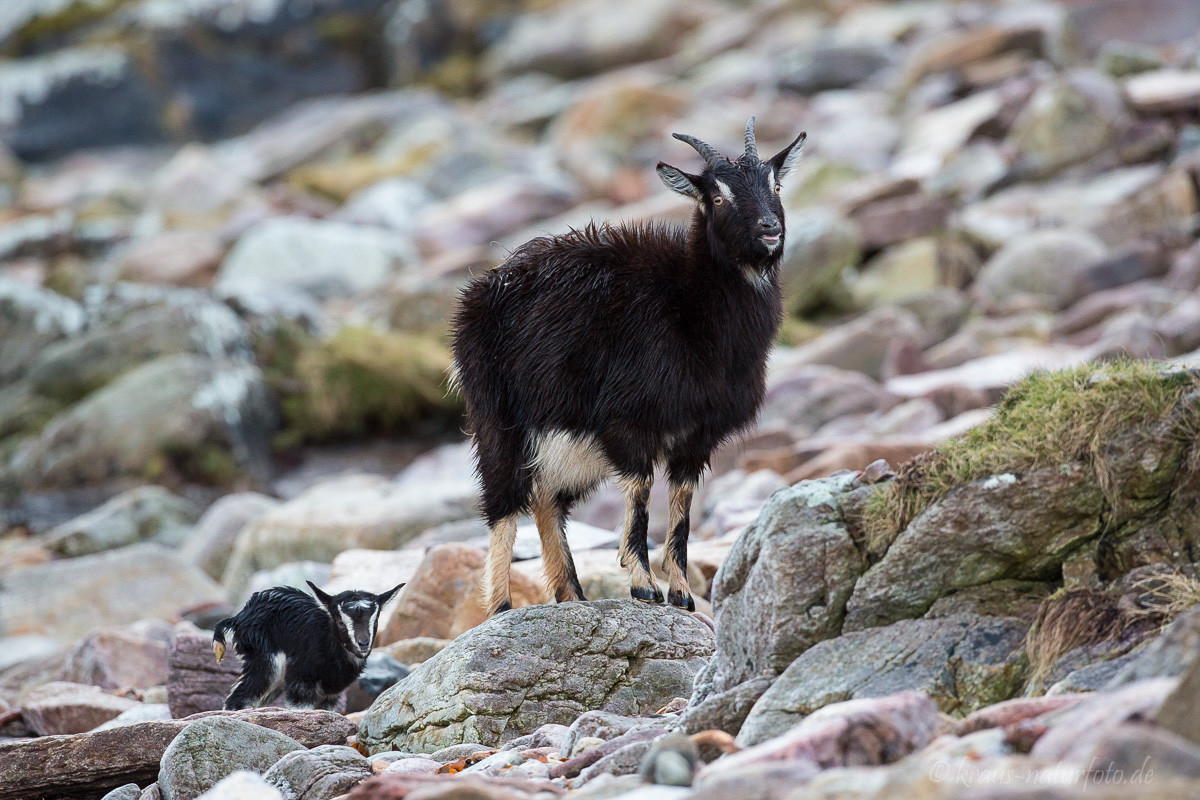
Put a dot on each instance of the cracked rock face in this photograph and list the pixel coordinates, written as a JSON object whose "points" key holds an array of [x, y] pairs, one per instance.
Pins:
{"points": [[537, 665], [783, 588]]}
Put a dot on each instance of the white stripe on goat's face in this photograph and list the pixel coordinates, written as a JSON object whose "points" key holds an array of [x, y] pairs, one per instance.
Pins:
{"points": [[726, 192], [358, 619]]}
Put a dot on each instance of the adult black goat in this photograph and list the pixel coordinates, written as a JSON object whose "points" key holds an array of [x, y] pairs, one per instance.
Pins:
{"points": [[614, 349], [300, 649]]}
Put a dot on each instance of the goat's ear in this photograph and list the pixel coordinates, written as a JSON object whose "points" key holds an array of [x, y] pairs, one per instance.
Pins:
{"points": [[388, 595], [324, 598], [679, 181], [785, 159]]}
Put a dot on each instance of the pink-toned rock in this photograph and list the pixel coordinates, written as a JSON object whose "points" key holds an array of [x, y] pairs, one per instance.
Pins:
{"points": [[445, 597], [1010, 712], [398, 787], [1076, 730], [373, 570], [412, 766], [860, 732], [858, 455], [483, 213], [195, 681], [133, 656], [1164, 91], [60, 707], [961, 48], [896, 220], [180, 258]]}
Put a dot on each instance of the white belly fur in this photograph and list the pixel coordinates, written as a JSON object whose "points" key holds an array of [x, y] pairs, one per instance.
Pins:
{"points": [[568, 462]]}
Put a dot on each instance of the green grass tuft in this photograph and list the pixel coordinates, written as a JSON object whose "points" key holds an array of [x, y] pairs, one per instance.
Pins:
{"points": [[1047, 419]]}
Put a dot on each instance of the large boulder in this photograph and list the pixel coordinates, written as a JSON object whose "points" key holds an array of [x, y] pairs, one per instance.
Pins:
{"points": [[1046, 269], [148, 512], [325, 771], [1021, 527], [963, 662], [182, 322], [1067, 120], [821, 246], [204, 418], [169, 71], [321, 258], [211, 748], [131, 656], [71, 98], [1113, 441], [211, 541], [537, 665], [72, 597], [782, 589], [853, 732], [30, 319]]}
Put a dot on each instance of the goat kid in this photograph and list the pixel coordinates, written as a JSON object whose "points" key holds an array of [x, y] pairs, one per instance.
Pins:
{"points": [[613, 350], [300, 649]]}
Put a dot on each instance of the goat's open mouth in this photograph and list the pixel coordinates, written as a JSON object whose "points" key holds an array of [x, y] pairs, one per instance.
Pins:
{"points": [[770, 241]]}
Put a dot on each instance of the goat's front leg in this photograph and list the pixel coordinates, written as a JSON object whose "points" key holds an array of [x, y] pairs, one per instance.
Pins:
{"points": [[635, 556], [499, 562], [675, 552]]}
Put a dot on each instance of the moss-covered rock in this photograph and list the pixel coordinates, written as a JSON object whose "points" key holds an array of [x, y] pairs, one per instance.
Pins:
{"points": [[361, 381], [1069, 421]]}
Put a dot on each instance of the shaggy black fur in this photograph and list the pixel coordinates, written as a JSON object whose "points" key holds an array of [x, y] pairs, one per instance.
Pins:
{"points": [[652, 339], [300, 650]]}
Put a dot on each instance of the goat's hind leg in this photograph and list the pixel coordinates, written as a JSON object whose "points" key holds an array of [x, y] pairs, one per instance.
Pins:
{"points": [[248, 692], [507, 486], [635, 555], [550, 514], [675, 552]]}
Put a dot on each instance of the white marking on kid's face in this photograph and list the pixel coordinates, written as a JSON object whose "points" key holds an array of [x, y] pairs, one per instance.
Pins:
{"points": [[725, 190]]}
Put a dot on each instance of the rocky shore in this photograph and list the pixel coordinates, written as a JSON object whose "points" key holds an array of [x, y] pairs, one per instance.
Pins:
{"points": [[956, 558]]}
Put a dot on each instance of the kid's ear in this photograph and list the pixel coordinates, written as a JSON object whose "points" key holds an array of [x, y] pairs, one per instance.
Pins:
{"points": [[785, 159], [388, 595], [679, 181], [324, 598]]}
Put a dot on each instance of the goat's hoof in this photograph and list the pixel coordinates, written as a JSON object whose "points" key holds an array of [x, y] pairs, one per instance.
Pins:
{"points": [[681, 600], [647, 594]]}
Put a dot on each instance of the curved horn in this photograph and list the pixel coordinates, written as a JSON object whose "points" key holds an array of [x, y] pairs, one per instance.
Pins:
{"points": [[751, 146], [707, 151]]}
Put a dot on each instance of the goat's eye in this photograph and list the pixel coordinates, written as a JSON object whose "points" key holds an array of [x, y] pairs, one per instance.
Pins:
{"points": [[718, 200], [777, 188]]}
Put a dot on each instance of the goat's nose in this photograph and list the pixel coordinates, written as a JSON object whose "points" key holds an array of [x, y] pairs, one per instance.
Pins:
{"points": [[769, 226]]}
